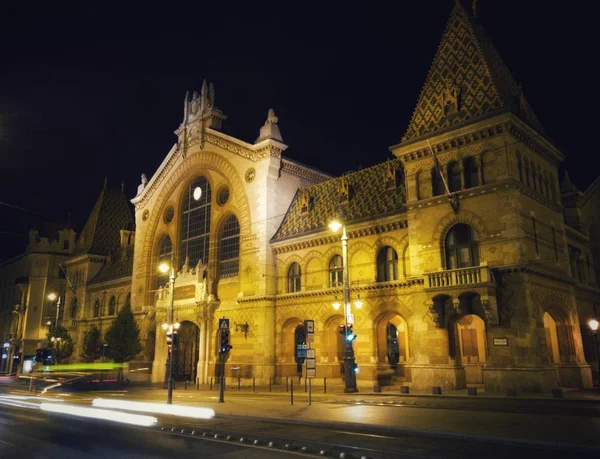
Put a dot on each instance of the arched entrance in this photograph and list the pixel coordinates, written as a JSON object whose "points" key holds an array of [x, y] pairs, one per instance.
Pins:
{"points": [[470, 331], [186, 355], [392, 344], [335, 345], [558, 337]]}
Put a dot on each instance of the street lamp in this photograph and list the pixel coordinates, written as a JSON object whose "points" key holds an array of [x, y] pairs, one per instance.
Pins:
{"points": [[56, 342], [349, 361], [171, 326], [53, 296], [593, 324]]}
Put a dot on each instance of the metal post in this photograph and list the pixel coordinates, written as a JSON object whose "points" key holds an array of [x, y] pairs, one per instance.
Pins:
{"points": [[171, 324], [222, 385], [238, 382], [197, 383], [253, 384], [305, 385], [210, 387], [324, 385], [185, 384], [287, 378], [292, 391], [597, 354], [269, 384], [310, 391], [57, 309], [349, 375]]}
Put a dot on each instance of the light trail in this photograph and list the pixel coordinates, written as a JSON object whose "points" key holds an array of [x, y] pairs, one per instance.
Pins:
{"points": [[95, 413], [160, 408]]}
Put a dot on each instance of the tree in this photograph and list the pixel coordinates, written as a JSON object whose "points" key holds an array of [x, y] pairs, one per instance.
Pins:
{"points": [[60, 343], [123, 336], [91, 341]]}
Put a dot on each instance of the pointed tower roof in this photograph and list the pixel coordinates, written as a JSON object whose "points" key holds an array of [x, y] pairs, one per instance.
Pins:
{"points": [[101, 233], [468, 80], [567, 185]]}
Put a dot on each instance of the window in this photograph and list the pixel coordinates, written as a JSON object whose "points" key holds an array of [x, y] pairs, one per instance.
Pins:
{"points": [[437, 184], [229, 251], [74, 308], [65, 245], [471, 172], [454, 175], [97, 308], [336, 271], [462, 247], [165, 249], [195, 226], [387, 264], [294, 278], [535, 238], [112, 306]]}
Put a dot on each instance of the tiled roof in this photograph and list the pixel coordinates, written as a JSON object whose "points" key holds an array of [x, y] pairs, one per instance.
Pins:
{"points": [[373, 192], [466, 64], [116, 270], [101, 233]]}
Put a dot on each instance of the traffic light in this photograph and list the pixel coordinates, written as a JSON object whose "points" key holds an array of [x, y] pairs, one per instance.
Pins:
{"points": [[39, 356], [350, 336], [342, 329], [355, 367], [225, 346]]}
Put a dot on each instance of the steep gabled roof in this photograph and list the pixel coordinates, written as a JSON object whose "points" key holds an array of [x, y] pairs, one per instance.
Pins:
{"points": [[371, 195], [466, 68], [118, 269], [101, 233]]}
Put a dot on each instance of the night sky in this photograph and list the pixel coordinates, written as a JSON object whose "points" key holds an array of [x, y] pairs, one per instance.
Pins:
{"points": [[94, 91]]}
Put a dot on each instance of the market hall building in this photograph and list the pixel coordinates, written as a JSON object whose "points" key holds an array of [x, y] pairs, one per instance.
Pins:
{"points": [[471, 265]]}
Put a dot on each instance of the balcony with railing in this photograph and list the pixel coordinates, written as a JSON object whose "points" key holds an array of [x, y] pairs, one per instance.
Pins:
{"points": [[459, 277]]}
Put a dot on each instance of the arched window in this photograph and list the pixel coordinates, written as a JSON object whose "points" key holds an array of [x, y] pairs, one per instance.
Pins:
{"points": [[471, 172], [112, 306], [165, 249], [534, 175], [195, 222], [229, 250], [387, 264], [128, 299], [294, 277], [437, 184], [97, 308], [462, 247], [454, 175], [300, 347], [527, 179], [336, 271], [74, 308]]}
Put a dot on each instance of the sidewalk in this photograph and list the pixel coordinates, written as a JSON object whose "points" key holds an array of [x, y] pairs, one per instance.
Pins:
{"points": [[558, 432]]}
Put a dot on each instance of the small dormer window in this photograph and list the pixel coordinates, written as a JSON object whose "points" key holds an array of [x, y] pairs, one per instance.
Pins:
{"points": [[66, 245]]}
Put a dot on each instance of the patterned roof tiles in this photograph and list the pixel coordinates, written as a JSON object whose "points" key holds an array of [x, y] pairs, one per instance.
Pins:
{"points": [[468, 73], [373, 192]]}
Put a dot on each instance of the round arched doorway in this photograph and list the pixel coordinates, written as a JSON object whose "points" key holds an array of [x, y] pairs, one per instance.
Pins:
{"points": [[392, 344], [470, 331], [186, 356]]}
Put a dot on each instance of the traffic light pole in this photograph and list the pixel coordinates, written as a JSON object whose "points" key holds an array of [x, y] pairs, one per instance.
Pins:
{"points": [[349, 375], [222, 382], [171, 322]]}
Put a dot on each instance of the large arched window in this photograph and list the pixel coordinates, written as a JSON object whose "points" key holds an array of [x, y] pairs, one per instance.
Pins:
{"points": [[229, 250], [462, 247], [471, 172], [195, 222], [437, 183], [387, 264], [454, 176], [165, 249], [336, 271], [97, 308], [294, 278], [73, 312], [112, 306]]}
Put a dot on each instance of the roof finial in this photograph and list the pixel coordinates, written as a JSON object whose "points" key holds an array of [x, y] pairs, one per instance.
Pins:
{"points": [[123, 186], [105, 181], [474, 8]]}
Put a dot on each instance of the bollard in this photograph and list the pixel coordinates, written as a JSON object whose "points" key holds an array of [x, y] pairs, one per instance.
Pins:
{"points": [[305, 384], [310, 392], [376, 388], [286, 383], [210, 388], [557, 393], [238, 382], [185, 384], [404, 389], [471, 391], [292, 391], [269, 384], [253, 384], [197, 383], [324, 385], [437, 390]]}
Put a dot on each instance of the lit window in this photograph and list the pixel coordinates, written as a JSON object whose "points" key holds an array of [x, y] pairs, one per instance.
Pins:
{"points": [[294, 278], [229, 251], [112, 306], [462, 247], [195, 225], [336, 271], [387, 264]]}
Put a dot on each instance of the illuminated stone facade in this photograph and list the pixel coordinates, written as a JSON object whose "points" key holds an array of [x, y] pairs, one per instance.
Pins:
{"points": [[489, 284]]}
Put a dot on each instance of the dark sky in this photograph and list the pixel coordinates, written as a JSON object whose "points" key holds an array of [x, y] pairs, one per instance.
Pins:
{"points": [[89, 91]]}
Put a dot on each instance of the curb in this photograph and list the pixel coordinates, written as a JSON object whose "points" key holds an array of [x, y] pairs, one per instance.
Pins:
{"points": [[560, 447]]}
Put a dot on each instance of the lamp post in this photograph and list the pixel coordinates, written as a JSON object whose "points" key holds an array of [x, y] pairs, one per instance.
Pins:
{"points": [[53, 296], [593, 324], [349, 361], [56, 342], [171, 326]]}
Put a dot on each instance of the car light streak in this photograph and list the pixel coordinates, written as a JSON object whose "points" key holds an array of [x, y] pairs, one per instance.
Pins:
{"points": [[146, 407], [18, 403], [95, 413], [29, 397]]}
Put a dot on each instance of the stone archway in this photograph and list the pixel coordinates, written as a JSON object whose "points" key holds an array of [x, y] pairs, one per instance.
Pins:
{"points": [[334, 346], [392, 347], [185, 356], [471, 341]]}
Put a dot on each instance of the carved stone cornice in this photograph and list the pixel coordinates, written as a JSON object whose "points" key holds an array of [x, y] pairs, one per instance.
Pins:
{"points": [[352, 234], [298, 170]]}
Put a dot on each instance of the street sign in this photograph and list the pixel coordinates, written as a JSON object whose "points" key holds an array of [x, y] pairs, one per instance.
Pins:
{"points": [[311, 373], [311, 364], [309, 330], [350, 318], [311, 354], [301, 351], [223, 324]]}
